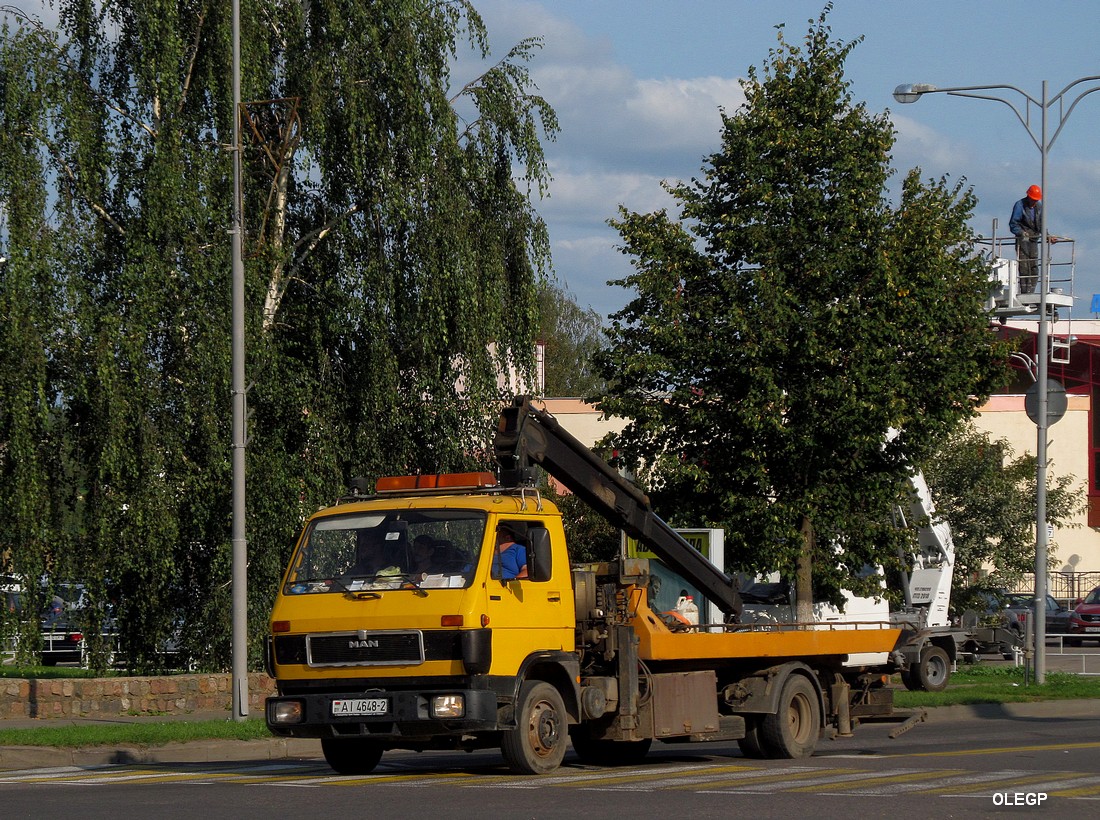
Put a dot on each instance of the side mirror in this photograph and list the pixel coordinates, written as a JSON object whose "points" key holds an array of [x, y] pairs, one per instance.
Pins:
{"points": [[538, 554]]}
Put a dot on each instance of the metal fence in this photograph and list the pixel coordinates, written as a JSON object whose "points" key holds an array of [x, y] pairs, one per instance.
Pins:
{"points": [[1067, 587]]}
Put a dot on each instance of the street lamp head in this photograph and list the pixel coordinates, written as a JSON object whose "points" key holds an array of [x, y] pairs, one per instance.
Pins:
{"points": [[910, 92]]}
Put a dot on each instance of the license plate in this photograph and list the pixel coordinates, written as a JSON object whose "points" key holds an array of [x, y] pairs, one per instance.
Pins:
{"points": [[360, 706], [1092, 628]]}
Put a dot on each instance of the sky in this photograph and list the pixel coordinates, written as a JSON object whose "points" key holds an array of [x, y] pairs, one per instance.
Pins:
{"points": [[638, 85]]}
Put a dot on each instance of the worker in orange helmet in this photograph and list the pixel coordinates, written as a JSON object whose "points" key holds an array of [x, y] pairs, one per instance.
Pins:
{"points": [[1026, 226]]}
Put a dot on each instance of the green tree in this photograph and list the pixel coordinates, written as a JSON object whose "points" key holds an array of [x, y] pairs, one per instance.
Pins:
{"points": [[32, 314], [787, 319], [573, 336], [393, 255], [988, 498]]}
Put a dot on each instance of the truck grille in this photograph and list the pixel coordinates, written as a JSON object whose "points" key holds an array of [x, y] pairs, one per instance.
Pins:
{"points": [[364, 648]]}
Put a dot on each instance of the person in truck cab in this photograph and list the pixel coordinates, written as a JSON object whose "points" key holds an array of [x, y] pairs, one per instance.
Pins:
{"points": [[511, 554], [370, 553], [425, 558]]}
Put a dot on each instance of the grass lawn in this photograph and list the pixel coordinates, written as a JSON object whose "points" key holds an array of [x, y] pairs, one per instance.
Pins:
{"points": [[1003, 684], [144, 733]]}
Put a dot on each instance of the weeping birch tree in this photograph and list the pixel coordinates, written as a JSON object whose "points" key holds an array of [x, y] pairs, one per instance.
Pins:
{"points": [[393, 259]]}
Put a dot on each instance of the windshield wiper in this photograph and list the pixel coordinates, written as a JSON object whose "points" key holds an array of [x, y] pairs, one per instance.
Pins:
{"points": [[408, 582]]}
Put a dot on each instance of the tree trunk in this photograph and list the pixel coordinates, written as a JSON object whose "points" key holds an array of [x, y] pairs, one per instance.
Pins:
{"points": [[803, 579]]}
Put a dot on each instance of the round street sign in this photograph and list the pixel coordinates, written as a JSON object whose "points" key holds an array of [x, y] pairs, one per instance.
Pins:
{"points": [[1056, 402]]}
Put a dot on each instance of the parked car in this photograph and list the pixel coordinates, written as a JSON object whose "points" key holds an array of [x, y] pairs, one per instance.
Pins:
{"points": [[1019, 606], [1084, 621], [61, 623], [62, 636]]}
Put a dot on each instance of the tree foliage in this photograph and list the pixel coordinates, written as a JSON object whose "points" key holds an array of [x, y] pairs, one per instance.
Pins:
{"points": [[393, 256], [988, 497], [573, 336], [787, 317]]}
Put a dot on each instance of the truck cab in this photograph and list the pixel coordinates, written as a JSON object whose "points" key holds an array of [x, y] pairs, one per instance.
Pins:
{"points": [[426, 642]]}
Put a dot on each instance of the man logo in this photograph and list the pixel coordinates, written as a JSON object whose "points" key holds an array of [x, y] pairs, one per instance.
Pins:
{"points": [[369, 643]]}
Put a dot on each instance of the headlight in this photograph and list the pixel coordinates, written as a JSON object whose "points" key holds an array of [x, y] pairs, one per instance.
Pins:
{"points": [[285, 711], [448, 706]]}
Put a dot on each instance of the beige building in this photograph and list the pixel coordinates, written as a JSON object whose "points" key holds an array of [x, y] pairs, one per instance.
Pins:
{"points": [[1077, 547]]}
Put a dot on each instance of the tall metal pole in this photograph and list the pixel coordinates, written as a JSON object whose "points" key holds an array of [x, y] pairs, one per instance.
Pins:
{"points": [[910, 93], [1043, 358], [240, 542]]}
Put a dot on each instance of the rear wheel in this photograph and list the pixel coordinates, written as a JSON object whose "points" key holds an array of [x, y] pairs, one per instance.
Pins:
{"points": [[750, 744], [537, 744], [907, 679], [934, 669], [792, 731], [351, 755]]}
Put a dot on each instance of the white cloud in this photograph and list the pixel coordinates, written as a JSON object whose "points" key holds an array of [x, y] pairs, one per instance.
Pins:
{"points": [[685, 112]]}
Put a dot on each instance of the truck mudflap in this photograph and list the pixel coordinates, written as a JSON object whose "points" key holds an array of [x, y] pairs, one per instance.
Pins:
{"points": [[388, 716]]}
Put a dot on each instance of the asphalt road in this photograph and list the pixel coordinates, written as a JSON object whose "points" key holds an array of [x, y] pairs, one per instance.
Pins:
{"points": [[964, 761]]}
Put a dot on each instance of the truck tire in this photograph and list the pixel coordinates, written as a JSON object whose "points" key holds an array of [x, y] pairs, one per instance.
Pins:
{"points": [[351, 755], [600, 752], [792, 731], [537, 744], [909, 681], [934, 669], [750, 744]]}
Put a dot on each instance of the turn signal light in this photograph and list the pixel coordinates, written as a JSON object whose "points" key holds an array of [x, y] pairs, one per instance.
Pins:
{"points": [[450, 620]]}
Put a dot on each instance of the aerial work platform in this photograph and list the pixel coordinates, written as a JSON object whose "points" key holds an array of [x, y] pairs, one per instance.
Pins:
{"points": [[1005, 299]]}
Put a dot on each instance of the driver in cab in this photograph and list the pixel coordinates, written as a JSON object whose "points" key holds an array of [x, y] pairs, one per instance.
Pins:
{"points": [[511, 554]]}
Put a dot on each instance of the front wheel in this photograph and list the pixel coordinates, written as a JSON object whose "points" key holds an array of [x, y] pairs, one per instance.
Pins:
{"points": [[537, 744], [792, 731], [351, 755]]}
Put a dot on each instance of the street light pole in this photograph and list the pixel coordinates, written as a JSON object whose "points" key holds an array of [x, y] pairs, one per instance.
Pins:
{"points": [[910, 94], [239, 573]]}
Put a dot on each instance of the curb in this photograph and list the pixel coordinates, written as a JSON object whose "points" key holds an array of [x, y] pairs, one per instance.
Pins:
{"points": [[15, 758], [1044, 709]]}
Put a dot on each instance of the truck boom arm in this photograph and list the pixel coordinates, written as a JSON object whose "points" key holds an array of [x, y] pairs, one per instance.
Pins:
{"points": [[527, 435]]}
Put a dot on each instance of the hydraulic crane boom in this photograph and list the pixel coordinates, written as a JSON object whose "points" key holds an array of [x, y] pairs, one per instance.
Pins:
{"points": [[529, 436]]}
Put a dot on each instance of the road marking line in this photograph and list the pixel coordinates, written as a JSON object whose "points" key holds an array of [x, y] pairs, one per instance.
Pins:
{"points": [[901, 778], [1045, 747]]}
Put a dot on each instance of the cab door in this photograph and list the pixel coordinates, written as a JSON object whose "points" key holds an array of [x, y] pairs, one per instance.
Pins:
{"points": [[533, 614]]}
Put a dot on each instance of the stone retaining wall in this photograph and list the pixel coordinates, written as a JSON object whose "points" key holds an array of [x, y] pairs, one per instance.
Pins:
{"points": [[108, 697]]}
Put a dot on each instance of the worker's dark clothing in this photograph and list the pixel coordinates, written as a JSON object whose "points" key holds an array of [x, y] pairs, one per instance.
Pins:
{"points": [[1026, 226]]}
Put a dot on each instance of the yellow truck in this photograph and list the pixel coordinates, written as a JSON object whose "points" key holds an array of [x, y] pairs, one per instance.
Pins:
{"points": [[406, 621]]}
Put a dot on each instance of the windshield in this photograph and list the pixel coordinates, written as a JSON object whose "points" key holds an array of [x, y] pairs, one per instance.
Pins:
{"points": [[388, 550], [1093, 597]]}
